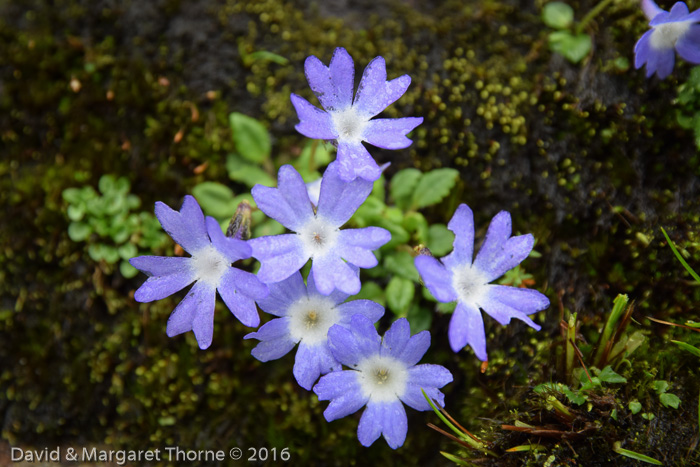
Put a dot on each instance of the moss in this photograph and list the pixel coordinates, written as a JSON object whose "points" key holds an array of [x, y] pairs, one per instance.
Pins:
{"points": [[589, 158]]}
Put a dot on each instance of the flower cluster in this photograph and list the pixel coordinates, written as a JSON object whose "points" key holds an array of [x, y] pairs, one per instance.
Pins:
{"points": [[331, 330], [676, 29], [347, 121], [459, 278]]}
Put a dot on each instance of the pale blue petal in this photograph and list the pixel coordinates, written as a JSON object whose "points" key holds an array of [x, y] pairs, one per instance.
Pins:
{"points": [[436, 278], [387, 418], [462, 225], [337, 383], [280, 256], [275, 340], [232, 248], [355, 161], [313, 122], [339, 199], [390, 133], [359, 340], [283, 294], [236, 299], [289, 203], [330, 272], [375, 93], [186, 227], [467, 327], [372, 310], [333, 85]]}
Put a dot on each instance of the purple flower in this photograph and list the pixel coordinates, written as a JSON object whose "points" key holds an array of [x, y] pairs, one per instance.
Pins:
{"points": [[209, 268], [677, 29], [383, 376], [304, 318], [317, 232], [347, 121], [458, 278]]}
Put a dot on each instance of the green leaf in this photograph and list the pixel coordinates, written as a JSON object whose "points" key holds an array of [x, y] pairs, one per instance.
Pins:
{"points": [[687, 267], [269, 56], [95, 251], [574, 47], [415, 222], [669, 400], [269, 227], [609, 376], [106, 184], [399, 294], [215, 199], [249, 174], [250, 137], [558, 15], [660, 386], [617, 447], [400, 263], [635, 407], [440, 239], [433, 187], [402, 184], [371, 291], [76, 212], [648, 416], [127, 251], [692, 349], [419, 318], [378, 190], [127, 270], [110, 254], [72, 195], [79, 231]]}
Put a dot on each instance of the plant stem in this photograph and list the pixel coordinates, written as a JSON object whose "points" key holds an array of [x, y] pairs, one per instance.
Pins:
{"points": [[590, 15]]}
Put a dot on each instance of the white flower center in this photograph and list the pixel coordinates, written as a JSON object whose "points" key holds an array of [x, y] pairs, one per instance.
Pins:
{"points": [[310, 318], [469, 284], [349, 125], [209, 265], [317, 237], [382, 379], [665, 35]]}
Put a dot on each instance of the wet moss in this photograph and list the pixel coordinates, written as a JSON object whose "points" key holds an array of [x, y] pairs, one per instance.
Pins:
{"points": [[589, 158]]}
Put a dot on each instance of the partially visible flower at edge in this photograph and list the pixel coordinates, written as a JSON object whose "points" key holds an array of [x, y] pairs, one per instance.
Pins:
{"points": [[317, 233], [384, 375], [456, 277], [348, 121], [209, 267], [677, 29], [304, 317]]}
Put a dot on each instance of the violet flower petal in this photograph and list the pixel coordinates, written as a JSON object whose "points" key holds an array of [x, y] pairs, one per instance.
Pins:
{"points": [[282, 294], [350, 345], [333, 85], [436, 278], [390, 133], [339, 199], [688, 45], [186, 227], [462, 225], [274, 340], [355, 161], [289, 203], [467, 327], [313, 122], [375, 93], [280, 256], [387, 418], [179, 272]]}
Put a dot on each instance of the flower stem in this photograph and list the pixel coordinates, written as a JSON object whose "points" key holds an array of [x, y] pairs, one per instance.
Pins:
{"points": [[591, 14]]}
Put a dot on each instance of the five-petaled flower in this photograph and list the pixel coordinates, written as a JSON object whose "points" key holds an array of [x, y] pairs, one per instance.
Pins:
{"points": [[458, 278], [305, 317], [383, 376], [349, 122], [210, 267], [317, 232], [676, 29]]}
